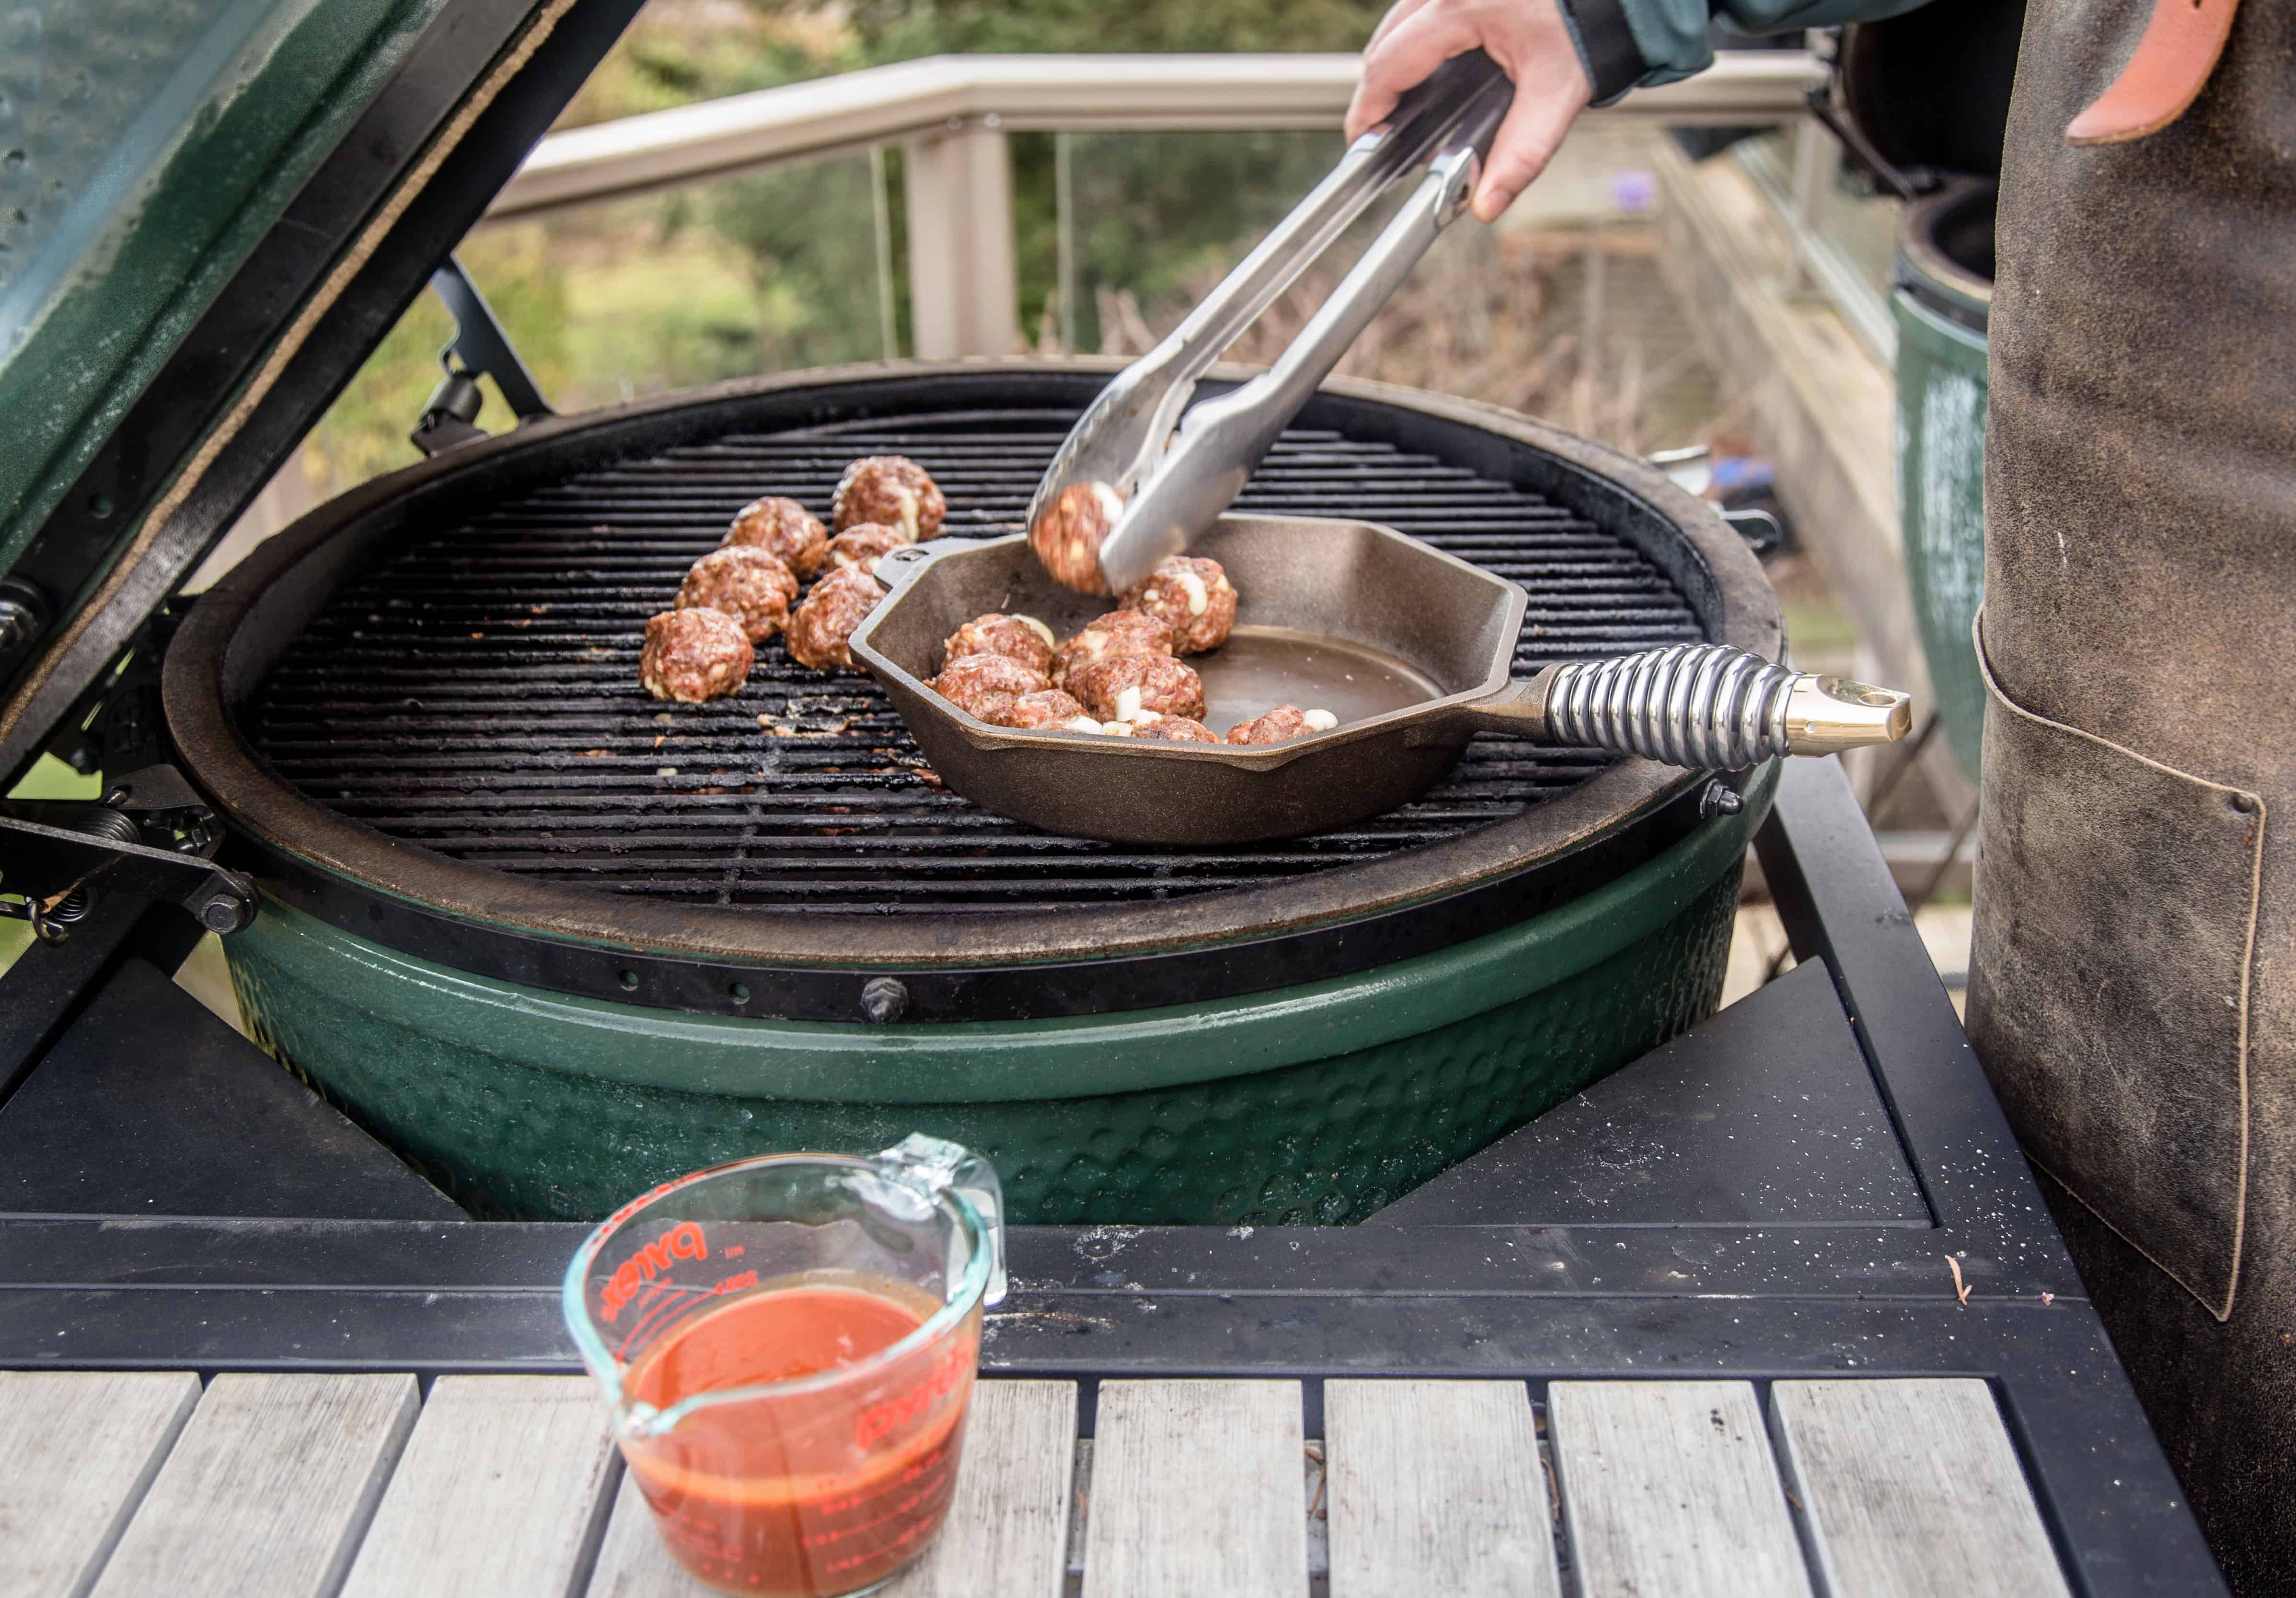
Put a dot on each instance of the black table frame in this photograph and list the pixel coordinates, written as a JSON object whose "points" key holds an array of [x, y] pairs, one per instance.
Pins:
{"points": [[1416, 1297]]}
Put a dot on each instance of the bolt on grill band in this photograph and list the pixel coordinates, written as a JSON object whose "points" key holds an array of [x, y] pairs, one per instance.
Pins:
{"points": [[476, 694]]}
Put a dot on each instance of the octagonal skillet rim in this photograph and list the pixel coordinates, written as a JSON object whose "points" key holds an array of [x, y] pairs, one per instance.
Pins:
{"points": [[916, 562], [227, 642]]}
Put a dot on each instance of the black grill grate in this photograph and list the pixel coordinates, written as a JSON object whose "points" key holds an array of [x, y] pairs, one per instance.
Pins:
{"points": [[477, 694]]}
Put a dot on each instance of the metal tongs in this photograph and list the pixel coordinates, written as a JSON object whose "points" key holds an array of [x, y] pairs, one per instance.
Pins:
{"points": [[1172, 495]]}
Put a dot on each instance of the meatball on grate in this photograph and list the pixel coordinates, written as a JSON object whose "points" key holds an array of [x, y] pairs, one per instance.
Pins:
{"points": [[820, 627], [978, 684], [1021, 638], [748, 585], [782, 529], [1192, 596], [1122, 687], [1067, 537], [891, 491], [694, 655], [1117, 632], [1281, 724], [860, 548]]}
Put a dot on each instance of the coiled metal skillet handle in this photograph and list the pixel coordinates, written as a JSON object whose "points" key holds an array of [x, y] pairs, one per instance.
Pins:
{"points": [[1709, 708]]}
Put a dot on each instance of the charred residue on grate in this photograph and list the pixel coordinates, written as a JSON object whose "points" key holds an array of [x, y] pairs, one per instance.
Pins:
{"points": [[477, 694]]}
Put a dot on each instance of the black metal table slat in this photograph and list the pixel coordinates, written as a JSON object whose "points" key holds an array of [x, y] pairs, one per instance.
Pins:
{"points": [[476, 693]]}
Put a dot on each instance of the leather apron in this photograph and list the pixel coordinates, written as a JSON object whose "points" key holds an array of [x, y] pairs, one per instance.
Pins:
{"points": [[2132, 978]]}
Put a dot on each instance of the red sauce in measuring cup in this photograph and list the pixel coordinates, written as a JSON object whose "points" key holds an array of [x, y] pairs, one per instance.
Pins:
{"points": [[800, 1495]]}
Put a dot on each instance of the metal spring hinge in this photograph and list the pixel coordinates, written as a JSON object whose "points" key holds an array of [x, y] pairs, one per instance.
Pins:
{"points": [[151, 836]]}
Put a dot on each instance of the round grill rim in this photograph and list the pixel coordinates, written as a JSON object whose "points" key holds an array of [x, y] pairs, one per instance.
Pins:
{"points": [[210, 657]]}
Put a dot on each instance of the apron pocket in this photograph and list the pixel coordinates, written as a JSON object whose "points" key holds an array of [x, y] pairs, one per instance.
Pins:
{"points": [[2109, 982]]}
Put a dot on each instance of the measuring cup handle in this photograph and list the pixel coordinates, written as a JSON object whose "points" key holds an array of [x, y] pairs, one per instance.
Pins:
{"points": [[941, 1164]]}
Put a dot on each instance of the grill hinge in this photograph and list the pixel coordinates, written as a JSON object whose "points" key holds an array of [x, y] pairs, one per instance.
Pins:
{"points": [[478, 349], [150, 836]]}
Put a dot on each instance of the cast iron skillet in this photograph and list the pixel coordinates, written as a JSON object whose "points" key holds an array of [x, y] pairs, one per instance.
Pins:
{"points": [[1411, 648]]}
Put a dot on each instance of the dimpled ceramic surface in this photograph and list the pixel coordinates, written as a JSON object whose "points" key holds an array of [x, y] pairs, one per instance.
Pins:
{"points": [[1325, 1141], [1316, 1104]]}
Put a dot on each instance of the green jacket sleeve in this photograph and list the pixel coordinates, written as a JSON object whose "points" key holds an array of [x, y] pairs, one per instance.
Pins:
{"points": [[1628, 43]]}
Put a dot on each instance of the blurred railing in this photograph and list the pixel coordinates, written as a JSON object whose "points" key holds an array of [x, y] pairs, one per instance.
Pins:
{"points": [[950, 116]]}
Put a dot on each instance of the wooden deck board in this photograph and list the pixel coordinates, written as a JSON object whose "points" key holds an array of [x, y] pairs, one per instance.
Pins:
{"points": [[503, 1491], [1436, 1486], [1912, 1489], [1196, 1492], [1007, 1530], [1669, 1487], [633, 1562], [81, 1451], [320, 1485], [267, 1490]]}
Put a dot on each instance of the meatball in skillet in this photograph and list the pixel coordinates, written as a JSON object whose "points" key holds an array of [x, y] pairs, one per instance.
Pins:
{"points": [[1046, 710], [819, 628], [1122, 687], [692, 655], [1021, 638], [782, 529], [1172, 729], [1281, 724], [1117, 632], [978, 684], [1192, 596], [1068, 537], [891, 491], [748, 585]]}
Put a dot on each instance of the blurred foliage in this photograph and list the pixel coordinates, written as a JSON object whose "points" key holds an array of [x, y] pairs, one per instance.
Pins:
{"points": [[778, 269], [896, 29]]}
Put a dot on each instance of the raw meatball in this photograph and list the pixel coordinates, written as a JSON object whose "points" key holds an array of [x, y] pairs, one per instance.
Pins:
{"points": [[1123, 686], [1021, 638], [694, 655], [1280, 725], [979, 683], [890, 490], [1067, 537], [1172, 729], [819, 627], [781, 528], [1117, 632], [1047, 709], [1194, 596], [861, 547], [748, 585]]}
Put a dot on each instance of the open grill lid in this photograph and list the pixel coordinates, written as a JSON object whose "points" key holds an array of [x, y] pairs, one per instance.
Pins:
{"points": [[210, 213]]}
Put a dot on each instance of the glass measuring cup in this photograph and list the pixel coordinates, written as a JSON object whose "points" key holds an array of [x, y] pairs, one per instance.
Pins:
{"points": [[788, 1344]]}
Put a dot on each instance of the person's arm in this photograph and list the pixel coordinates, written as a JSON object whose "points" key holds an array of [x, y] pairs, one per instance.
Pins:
{"points": [[1563, 55]]}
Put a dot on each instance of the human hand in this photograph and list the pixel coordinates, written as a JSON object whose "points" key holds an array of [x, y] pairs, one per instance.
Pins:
{"points": [[1530, 42]]}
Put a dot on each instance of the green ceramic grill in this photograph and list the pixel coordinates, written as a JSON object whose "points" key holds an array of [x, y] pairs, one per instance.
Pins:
{"points": [[553, 941]]}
